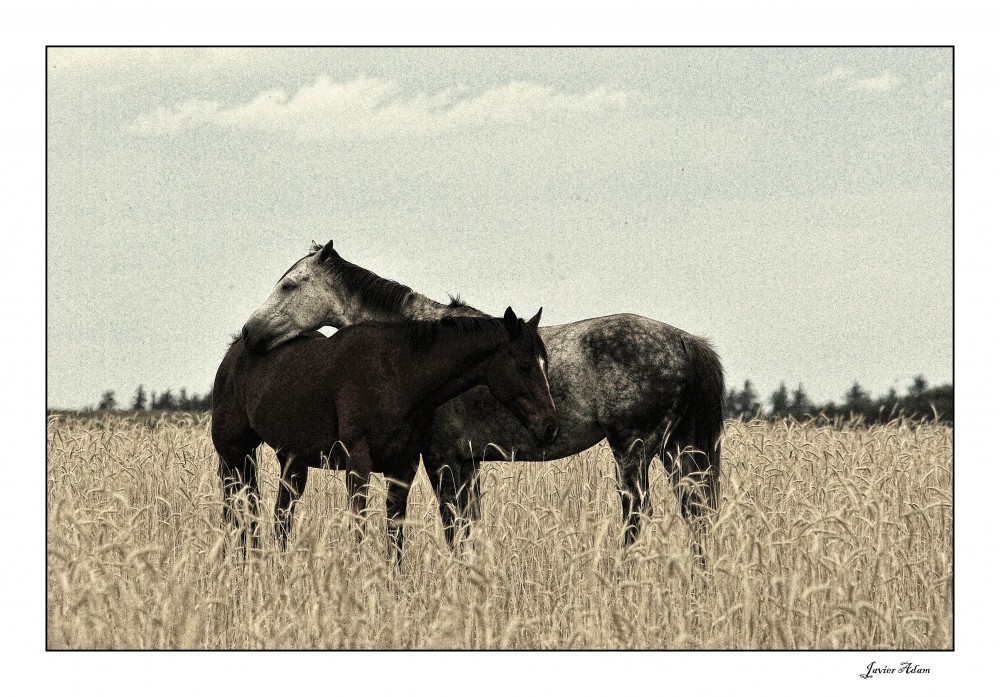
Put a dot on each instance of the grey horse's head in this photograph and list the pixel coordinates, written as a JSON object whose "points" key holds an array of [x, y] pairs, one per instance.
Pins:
{"points": [[308, 296]]}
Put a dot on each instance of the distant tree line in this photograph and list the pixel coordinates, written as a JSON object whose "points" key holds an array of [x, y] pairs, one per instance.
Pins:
{"points": [[164, 401], [919, 402]]}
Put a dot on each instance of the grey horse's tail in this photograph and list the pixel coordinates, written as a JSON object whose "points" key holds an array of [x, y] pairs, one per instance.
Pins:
{"points": [[700, 429]]}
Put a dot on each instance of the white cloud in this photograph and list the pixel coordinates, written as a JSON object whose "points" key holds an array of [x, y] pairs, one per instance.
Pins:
{"points": [[836, 75], [883, 83], [371, 108], [183, 116], [840, 75]]}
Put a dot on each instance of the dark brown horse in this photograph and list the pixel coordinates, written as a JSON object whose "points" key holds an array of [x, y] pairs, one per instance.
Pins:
{"points": [[363, 400]]}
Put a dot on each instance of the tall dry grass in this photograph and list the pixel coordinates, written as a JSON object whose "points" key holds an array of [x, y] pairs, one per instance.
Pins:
{"points": [[827, 537]]}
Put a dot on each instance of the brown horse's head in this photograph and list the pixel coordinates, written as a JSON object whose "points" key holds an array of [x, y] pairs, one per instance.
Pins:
{"points": [[517, 376]]}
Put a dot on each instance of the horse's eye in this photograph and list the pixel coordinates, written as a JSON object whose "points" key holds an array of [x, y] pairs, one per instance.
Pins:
{"points": [[287, 286]]}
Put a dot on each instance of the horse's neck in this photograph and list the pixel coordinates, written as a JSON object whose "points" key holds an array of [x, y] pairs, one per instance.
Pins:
{"points": [[453, 364], [414, 306], [418, 306]]}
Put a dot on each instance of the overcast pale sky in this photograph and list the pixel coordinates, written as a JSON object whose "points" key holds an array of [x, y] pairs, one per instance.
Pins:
{"points": [[793, 205]]}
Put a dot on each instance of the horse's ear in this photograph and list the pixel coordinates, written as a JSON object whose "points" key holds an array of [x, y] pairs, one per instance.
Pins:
{"points": [[313, 248], [536, 319], [511, 323], [327, 252]]}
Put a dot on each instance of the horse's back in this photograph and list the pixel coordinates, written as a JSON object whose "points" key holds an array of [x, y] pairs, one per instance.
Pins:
{"points": [[610, 376], [289, 396], [624, 366]]}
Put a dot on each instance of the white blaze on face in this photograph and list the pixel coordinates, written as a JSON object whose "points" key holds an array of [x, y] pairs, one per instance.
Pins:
{"points": [[541, 364]]}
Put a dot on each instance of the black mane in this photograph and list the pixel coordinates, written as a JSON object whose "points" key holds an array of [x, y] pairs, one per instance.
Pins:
{"points": [[369, 287], [383, 293], [422, 333]]}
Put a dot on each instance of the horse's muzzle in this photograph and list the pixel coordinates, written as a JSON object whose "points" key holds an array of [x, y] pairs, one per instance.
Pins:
{"points": [[548, 434], [252, 343]]}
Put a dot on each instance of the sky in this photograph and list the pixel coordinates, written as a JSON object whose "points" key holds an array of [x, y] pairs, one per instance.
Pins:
{"points": [[792, 205]]}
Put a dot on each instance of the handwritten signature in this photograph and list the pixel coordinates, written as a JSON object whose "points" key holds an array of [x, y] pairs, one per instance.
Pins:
{"points": [[905, 668]]}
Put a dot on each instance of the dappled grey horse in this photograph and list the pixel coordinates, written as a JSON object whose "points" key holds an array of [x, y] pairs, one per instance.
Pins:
{"points": [[649, 388]]}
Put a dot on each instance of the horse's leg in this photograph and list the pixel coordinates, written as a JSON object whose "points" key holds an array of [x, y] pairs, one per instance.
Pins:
{"points": [[294, 473], [397, 492], [469, 500], [443, 480], [633, 459], [457, 488], [695, 483], [359, 472], [238, 473]]}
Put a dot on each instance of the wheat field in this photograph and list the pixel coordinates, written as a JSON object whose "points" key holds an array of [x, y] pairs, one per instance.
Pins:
{"points": [[829, 536]]}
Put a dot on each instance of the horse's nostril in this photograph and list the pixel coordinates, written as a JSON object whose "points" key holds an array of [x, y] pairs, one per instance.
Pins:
{"points": [[552, 431], [244, 333]]}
